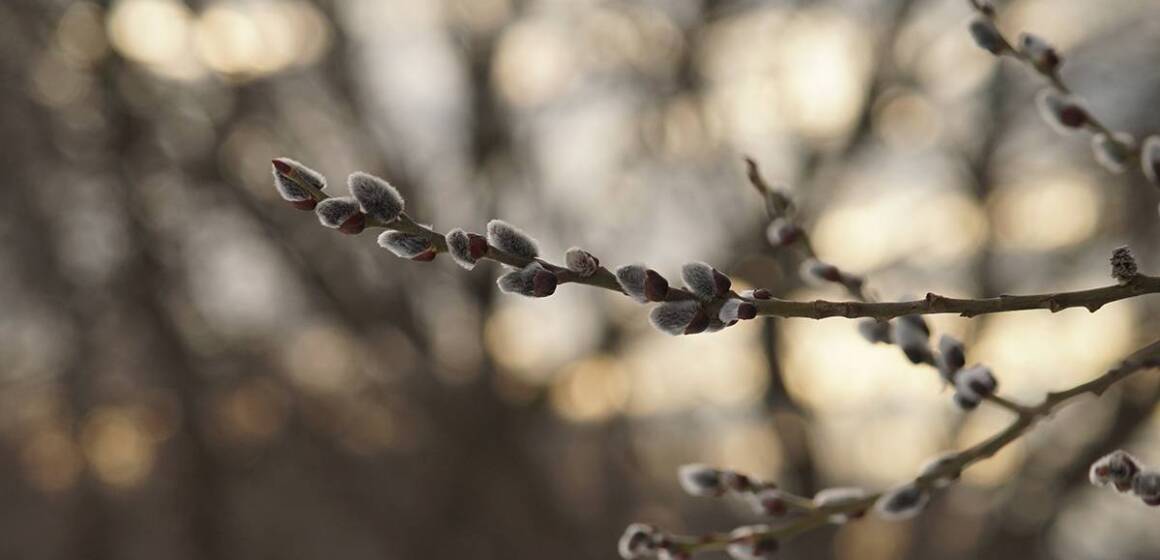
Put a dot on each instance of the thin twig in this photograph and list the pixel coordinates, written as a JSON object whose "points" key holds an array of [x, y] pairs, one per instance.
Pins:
{"points": [[933, 304], [1146, 358]]}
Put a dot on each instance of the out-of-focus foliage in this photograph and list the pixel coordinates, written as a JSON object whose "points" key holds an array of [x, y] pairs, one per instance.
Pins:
{"points": [[191, 369]]}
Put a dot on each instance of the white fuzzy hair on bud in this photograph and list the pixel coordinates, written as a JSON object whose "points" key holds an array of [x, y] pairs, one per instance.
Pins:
{"points": [[874, 331], [675, 317], [818, 273], [334, 212], [704, 281], [700, 480], [1117, 468], [987, 36], [951, 357], [1041, 54], [1146, 485], [975, 382], [834, 497], [939, 464], [1150, 159], [901, 503], [377, 198], [532, 281], [510, 239], [581, 262], [782, 232], [1065, 113], [287, 175], [639, 541], [768, 501], [751, 542], [912, 334], [1114, 153], [736, 309], [404, 245], [632, 278], [459, 245]]}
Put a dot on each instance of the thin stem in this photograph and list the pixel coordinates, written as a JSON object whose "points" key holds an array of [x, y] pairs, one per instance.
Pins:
{"points": [[1146, 358], [1050, 74], [1092, 299]]}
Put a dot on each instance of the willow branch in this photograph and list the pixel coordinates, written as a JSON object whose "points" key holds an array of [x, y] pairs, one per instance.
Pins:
{"points": [[814, 517], [933, 304]]}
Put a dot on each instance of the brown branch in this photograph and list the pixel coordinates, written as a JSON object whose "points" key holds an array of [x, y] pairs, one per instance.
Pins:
{"points": [[815, 517], [1050, 74], [1092, 299], [933, 304]]}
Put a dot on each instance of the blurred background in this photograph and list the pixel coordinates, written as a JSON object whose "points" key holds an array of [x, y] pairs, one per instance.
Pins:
{"points": [[191, 369]]}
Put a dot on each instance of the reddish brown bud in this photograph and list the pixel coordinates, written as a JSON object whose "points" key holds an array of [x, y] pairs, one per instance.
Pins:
{"points": [[543, 283], [307, 204], [354, 225], [425, 256], [746, 311], [723, 283], [281, 166], [699, 323], [476, 245], [656, 288]]}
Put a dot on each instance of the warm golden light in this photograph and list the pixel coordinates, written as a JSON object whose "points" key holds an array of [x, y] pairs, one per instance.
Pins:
{"points": [[1046, 211], [118, 446]]}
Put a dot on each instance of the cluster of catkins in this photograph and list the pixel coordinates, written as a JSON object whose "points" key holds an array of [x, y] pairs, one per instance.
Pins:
{"points": [[1065, 112], [912, 334], [707, 303], [1126, 474], [757, 542]]}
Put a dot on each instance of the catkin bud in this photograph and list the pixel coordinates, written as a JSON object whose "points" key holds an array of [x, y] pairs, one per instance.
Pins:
{"points": [[700, 480], [874, 331], [975, 382], [705, 281], [639, 541], [377, 198], [466, 248], [1150, 159], [1041, 54], [632, 279], [782, 232], [903, 502], [581, 262], [656, 288], [510, 239], [987, 36], [756, 294], [835, 497], [737, 482], [936, 467], [1146, 485], [1065, 113], [290, 175], [751, 542], [913, 335], [679, 317], [966, 402], [768, 501], [736, 309], [341, 213], [951, 357], [1113, 153], [1124, 265], [816, 272], [1117, 468], [533, 281], [407, 245]]}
